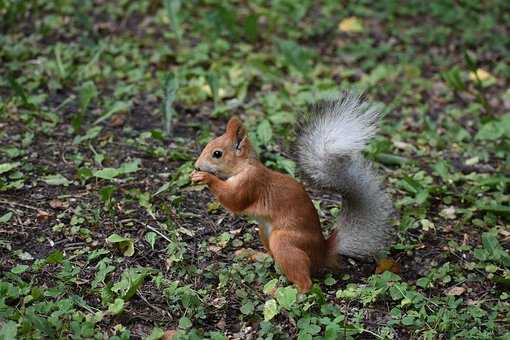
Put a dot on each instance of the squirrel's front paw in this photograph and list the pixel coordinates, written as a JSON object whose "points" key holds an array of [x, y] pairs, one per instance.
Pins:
{"points": [[200, 177]]}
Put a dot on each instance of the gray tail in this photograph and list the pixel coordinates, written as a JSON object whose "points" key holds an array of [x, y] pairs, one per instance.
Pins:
{"points": [[329, 152]]}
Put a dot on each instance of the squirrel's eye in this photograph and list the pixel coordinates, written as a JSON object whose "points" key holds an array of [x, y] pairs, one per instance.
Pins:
{"points": [[217, 154]]}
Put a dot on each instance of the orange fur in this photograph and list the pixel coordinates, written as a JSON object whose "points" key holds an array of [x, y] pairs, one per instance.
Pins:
{"points": [[244, 185]]}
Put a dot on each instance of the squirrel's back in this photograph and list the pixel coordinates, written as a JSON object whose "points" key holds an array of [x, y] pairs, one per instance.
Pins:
{"points": [[329, 152]]}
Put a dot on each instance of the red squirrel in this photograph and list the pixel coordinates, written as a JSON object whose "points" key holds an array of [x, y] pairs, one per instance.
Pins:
{"points": [[329, 152]]}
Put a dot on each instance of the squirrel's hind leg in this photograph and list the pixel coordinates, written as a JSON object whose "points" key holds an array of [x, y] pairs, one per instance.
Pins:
{"points": [[294, 262]]}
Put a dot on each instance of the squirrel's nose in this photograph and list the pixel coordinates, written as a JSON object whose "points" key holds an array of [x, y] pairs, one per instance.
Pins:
{"points": [[197, 168]]}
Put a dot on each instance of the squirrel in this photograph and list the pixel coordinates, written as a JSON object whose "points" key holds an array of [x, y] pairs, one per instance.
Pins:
{"points": [[329, 148]]}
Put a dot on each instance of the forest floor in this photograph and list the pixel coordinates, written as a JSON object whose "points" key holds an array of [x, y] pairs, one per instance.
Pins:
{"points": [[105, 105]]}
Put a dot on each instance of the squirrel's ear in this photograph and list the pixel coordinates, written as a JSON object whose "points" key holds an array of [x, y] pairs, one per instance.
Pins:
{"points": [[236, 132]]}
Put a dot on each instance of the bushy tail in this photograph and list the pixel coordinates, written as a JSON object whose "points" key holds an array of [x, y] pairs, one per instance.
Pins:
{"points": [[329, 151]]}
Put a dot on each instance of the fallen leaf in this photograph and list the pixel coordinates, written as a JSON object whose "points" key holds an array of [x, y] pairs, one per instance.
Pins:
{"points": [[455, 291], [258, 256], [214, 249], [221, 324], [387, 265], [56, 179], [42, 215], [427, 225], [465, 239], [118, 120], [213, 206], [448, 213], [404, 146], [252, 254], [236, 231], [124, 243], [169, 334], [351, 24], [58, 204], [480, 74], [244, 252]]}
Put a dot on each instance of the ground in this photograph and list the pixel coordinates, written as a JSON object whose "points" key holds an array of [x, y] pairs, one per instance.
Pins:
{"points": [[104, 105]]}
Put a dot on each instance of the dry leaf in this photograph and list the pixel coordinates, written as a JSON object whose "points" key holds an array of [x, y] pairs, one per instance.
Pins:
{"points": [[455, 291], [387, 265], [351, 24], [258, 256], [236, 231], [465, 239], [252, 254], [404, 146], [448, 213], [118, 120], [42, 215], [221, 324], [482, 75], [213, 206], [58, 204], [169, 334], [214, 249], [244, 252]]}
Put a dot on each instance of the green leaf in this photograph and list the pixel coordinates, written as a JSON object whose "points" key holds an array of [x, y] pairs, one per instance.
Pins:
{"points": [[111, 173], [389, 159], [56, 179], [497, 209], [9, 330], [5, 167], [423, 282], [116, 307], [124, 243], [453, 79], [247, 308], [286, 296], [332, 331], [441, 168], [505, 123], [90, 134], [170, 92], [270, 309], [490, 268], [107, 173], [185, 323], [118, 106], [55, 257], [286, 164], [410, 185], [329, 281], [150, 237], [130, 167], [250, 27], [88, 91], [490, 242], [214, 84], [157, 333], [491, 131], [295, 56], [130, 281], [6, 217], [172, 8], [217, 336], [20, 268], [103, 269], [270, 286], [163, 188], [264, 132]]}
